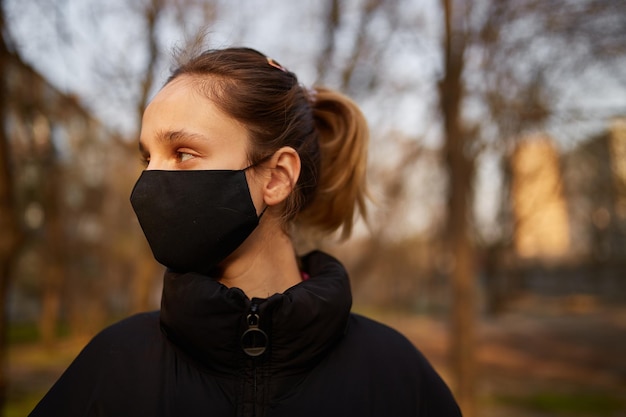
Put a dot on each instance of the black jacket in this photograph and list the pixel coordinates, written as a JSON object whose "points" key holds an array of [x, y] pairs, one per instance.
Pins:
{"points": [[188, 359]]}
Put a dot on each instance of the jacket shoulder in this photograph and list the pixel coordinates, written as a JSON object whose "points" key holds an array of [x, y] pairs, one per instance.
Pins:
{"points": [[122, 341], [141, 328], [376, 334], [383, 345], [390, 356], [107, 357]]}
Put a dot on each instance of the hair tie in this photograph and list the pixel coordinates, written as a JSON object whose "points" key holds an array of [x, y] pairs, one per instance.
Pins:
{"points": [[275, 64]]}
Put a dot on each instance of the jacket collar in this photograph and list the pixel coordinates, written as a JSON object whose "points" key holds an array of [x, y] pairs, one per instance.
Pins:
{"points": [[206, 319]]}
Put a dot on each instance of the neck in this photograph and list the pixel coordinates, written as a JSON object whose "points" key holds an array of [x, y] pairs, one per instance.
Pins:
{"points": [[265, 264]]}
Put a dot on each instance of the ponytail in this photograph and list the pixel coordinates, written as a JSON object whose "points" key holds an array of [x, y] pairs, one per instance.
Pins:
{"points": [[341, 188]]}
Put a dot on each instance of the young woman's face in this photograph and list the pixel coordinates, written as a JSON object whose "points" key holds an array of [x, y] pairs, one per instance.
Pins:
{"points": [[182, 130]]}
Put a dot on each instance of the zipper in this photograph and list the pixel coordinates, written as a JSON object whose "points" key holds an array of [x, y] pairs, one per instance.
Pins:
{"points": [[254, 342], [254, 390]]}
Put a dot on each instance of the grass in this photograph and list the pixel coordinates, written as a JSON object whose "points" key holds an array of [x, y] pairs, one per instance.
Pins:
{"points": [[569, 404], [28, 333], [19, 333], [34, 367], [20, 407]]}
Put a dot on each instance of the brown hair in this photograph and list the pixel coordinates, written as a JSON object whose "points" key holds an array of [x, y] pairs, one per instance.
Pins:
{"points": [[326, 128]]}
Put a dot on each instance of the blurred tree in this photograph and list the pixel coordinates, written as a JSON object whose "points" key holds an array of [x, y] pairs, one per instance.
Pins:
{"points": [[460, 167], [10, 232], [44, 124], [55, 254], [506, 66], [146, 267], [105, 243]]}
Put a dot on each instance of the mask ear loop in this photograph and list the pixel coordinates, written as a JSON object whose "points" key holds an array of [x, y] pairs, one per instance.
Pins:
{"points": [[254, 165], [259, 162], [263, 212]]}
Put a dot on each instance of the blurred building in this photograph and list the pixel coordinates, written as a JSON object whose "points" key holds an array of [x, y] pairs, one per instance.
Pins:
{"points": [[570, 207], [541, 219], [569, 212], [595, 179], [56, 145], [61, 163]]}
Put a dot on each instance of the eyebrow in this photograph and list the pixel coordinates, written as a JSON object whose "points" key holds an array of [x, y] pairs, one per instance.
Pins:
{"points": [[174, 136]]}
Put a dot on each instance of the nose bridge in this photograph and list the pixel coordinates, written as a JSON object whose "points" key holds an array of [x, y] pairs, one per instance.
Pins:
{"points": [[158, 162], [152, 165]]}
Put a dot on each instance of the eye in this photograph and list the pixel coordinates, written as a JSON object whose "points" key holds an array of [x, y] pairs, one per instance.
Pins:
{"points": [[184, 156]]}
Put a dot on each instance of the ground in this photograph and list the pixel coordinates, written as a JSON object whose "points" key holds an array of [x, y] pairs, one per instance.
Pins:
{"points": [[544, 357]]}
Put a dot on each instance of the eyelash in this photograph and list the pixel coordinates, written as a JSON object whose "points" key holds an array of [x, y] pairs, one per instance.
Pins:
{"points": [[179, 155]]}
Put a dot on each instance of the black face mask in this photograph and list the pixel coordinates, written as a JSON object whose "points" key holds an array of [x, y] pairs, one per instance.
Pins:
{"points": [[194, 219]]}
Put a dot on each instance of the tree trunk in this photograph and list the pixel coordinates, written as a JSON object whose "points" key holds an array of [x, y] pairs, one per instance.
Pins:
{"points": [[54, 273], [10, 231], [147, 267], [460, 173], [331, 25], [51, 301]]}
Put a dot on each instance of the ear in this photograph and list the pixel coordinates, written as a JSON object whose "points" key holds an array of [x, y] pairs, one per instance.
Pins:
{"points": [[283, 173]]}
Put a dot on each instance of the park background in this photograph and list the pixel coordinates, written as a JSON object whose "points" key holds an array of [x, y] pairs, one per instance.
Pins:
{"points": [[497, 235]]}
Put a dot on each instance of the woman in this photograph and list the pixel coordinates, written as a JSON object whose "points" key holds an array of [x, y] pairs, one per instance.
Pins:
{"points": [[240, 156]]}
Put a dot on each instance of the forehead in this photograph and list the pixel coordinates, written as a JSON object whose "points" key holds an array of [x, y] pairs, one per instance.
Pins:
{"points": [[181, 92], [181, 106]]}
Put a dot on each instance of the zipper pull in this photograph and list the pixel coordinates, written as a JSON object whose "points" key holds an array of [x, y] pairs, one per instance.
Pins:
{"points": [[254, 340]]}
